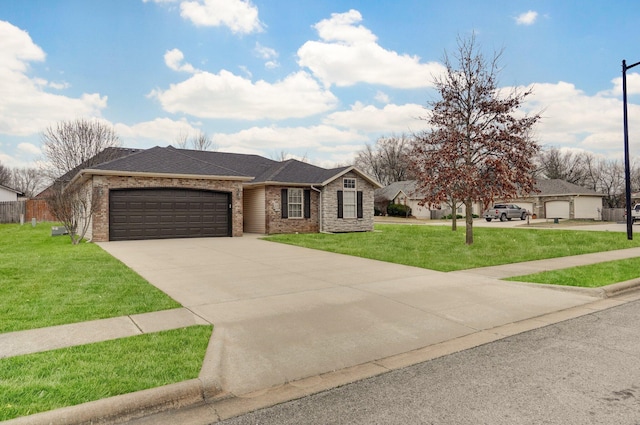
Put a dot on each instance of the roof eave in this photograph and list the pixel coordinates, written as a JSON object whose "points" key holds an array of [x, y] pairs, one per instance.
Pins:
{"points": [[95, 172], [356, 170]]}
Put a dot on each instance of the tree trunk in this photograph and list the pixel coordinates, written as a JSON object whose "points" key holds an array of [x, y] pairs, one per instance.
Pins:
{"points": [[468, 206], [454, 216]]}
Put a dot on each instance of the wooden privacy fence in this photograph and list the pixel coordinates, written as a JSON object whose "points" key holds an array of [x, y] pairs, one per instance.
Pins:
{"points": [[10, 212], [613, 214]]}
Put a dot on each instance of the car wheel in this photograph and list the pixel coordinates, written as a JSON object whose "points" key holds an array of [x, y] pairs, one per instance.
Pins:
{"points": [[523, 216], [488, 219], [503, 217]]}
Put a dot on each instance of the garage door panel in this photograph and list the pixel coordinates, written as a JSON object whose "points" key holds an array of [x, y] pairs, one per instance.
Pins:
{"points": [[168, 213], [559, 209]]}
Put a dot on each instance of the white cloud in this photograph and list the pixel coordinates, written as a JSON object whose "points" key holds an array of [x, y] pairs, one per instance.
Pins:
{"points": [[268, 54], [173, 59], [151, 133], [240, 16], [265, 52], [225, 95], [633, 85], [571, 118], [341, 28], [29, 148], [26, 108], [370, 119], [382, 97], [285, 138], [272, 64], [527, 18], [348, 54]]}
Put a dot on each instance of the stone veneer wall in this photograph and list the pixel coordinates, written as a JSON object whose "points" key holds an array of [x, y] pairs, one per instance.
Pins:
{"points": [[276, 224], [101, 217], [330, 220]]}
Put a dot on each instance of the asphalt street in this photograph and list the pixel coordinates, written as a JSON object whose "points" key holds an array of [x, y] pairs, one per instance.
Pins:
{"points": [[582, 371]]}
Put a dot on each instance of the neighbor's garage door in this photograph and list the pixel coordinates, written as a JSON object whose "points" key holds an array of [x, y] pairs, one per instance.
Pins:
{"points": [[168, 213], [557, 209]]}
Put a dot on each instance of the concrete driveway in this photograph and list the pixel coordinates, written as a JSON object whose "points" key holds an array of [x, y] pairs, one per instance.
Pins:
{"points": [[282, 313]]}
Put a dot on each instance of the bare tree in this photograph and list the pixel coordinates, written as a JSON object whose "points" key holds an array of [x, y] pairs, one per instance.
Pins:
{"points": [[73, 205], [5, 175], [200, 141], [284, 156], [182, 140], [606, 177], [68, 144], [28, 180], [478, 148], [569, 166], [387, 161]]}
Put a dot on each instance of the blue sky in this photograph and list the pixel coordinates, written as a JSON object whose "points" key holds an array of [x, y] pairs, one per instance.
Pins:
{"points": [[314, 79]]}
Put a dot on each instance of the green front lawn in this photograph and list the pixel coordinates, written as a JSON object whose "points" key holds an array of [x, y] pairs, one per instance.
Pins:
{"points": [[590, 276], [438, 248], [46, 281], [65, 377]]}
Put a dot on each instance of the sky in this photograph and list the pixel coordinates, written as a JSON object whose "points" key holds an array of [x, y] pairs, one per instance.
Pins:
{"points": [[313, 80]]}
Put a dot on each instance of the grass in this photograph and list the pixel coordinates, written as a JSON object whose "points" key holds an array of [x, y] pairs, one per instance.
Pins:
{"points": [[438, 248], [590, 276], [46, 281], [49, 380]]}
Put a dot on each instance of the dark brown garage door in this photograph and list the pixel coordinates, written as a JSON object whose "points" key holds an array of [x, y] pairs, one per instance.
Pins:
{"points": [[168, 213]]}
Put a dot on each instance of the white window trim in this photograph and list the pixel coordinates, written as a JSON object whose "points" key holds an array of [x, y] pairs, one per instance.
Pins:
{"points": [[301, 203], [353, 190]]}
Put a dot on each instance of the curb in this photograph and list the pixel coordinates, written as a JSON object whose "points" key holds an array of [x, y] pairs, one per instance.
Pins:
{"points": [[206, 389], [620, 288], [139, 404], [603, 292], [121, 408]]}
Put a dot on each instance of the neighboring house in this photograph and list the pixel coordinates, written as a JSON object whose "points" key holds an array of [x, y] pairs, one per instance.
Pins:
{"points": [[172, 193], [560, 199], [555, 199], [9, 195], [406, 193]]}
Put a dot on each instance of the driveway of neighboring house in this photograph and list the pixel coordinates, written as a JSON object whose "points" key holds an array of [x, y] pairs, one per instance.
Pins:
{"points": [[283, 313]]}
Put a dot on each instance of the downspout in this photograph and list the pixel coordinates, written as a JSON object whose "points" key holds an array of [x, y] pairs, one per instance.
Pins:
{"points": [[320, 221]]}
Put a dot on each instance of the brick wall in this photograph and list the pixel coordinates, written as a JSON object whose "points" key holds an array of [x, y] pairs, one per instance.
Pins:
{"points": [[276, 224], [330, 220], [101, 217]]}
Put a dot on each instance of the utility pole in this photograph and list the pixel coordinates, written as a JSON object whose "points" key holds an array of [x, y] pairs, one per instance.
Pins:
{"points": [[627, 168]]}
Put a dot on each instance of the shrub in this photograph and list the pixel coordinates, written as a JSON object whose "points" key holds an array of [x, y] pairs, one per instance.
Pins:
{"points": [[458, 216], [398, 210]]}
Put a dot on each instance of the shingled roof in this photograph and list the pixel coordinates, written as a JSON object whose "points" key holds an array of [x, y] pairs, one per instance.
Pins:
{"points": [[550, 187], [547, 187], [167, 160], [408, 187], [253, 169]]}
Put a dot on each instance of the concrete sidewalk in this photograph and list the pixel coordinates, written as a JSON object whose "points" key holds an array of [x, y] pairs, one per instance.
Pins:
{"points": [[290, 320]]}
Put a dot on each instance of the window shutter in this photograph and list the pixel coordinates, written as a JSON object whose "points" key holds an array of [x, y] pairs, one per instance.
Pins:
{"points": [[284, 202], [340, 214], [307, 203], [360, 213]]}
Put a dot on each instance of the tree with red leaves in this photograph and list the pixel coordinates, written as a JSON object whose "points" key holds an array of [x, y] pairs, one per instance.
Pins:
{"points": [[479, 147]]}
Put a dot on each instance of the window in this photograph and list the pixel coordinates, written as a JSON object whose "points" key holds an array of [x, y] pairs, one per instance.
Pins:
{"points": [[349, 198], [295, 203], [349, 183]]}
